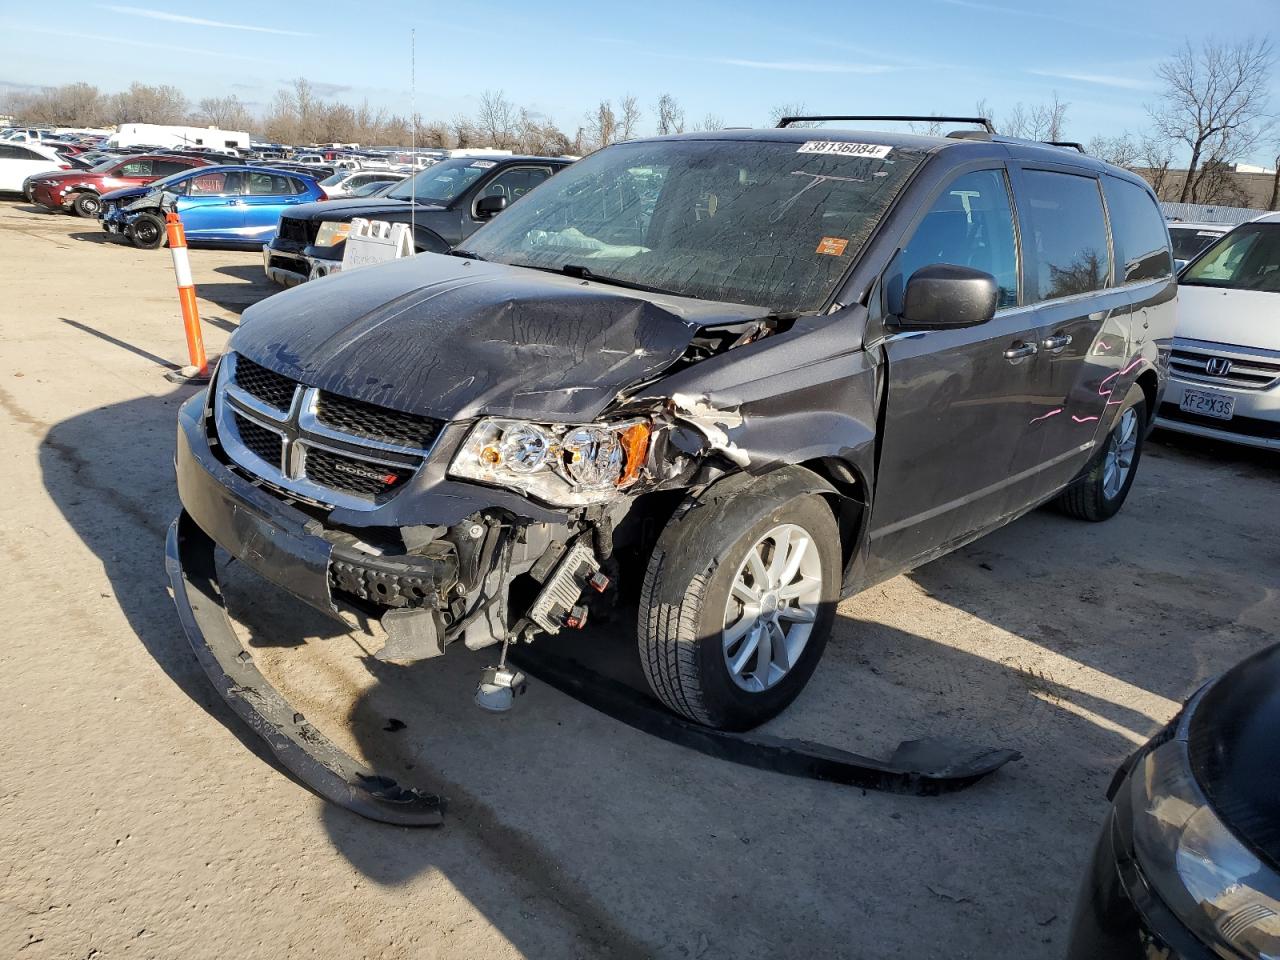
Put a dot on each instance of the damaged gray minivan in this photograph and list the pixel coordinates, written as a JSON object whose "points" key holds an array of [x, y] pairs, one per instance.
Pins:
{"points": [[724, 378]]}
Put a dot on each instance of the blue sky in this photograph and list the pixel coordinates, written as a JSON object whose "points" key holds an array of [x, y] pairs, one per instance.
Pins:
{"points": [[732, 59]]}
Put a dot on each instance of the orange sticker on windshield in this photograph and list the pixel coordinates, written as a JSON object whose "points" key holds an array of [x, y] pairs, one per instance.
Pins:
{"points": [[832, 246]]}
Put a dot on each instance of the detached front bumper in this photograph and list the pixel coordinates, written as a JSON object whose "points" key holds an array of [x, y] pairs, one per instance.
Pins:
{"points": [[299, 746]]}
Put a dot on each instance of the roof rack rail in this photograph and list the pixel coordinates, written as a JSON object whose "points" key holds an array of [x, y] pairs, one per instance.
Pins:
{"points": [[1068, 144], [981, 121]]}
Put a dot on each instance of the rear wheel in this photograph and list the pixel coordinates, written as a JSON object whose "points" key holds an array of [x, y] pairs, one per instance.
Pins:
{"points": [[1100, 491], [738, 602], [87, 205], [147, 231]]}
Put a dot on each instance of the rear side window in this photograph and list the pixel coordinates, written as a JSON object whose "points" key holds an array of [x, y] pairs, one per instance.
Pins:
{"points": [[969, 225], [164, 168], [207, 183], [137, 168], [1139, 231], [268, 185], [1067, 232]]}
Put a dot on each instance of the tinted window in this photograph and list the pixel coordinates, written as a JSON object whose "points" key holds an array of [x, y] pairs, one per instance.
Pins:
{"points": [[1138, 230], [1188, 241], [1067, 232], [268, 185], [8, 152], [164, 168], [970, 225], [443, 182], [299, 186], [136, 168], [515, 183]]}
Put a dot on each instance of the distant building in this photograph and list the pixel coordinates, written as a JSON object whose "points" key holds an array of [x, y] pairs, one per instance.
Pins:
{"points": [[1224, 185]]}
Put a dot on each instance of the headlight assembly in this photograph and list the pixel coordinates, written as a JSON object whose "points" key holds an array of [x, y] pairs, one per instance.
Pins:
{"points": [[331, 233], [1215, 885], [562, 464]]}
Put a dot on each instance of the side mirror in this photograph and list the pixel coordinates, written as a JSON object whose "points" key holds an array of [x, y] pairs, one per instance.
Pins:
{"points": [[491, 206], [946, 295]]}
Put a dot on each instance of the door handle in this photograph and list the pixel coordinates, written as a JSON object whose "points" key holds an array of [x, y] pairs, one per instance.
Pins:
{"points": [[1020, 351], [1057, 343]]}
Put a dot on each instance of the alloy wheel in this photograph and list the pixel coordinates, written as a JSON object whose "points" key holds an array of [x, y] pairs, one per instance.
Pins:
{"points": [[773, 603], [1118, 459]]}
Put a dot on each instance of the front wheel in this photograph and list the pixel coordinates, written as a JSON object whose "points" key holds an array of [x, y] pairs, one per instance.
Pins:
{"points": [[1100, 491], [87, 205], [738, 603], [147, 232]]}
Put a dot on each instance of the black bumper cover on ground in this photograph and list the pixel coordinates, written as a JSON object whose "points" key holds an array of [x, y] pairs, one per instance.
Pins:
{"points": [[300, 747]]}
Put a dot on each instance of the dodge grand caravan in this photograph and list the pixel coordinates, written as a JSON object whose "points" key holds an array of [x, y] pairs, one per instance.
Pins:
{"points": [[722, 378]]}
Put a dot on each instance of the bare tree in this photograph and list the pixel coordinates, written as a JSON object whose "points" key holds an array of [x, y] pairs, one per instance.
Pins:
{"points": [[670, 115], [1156, 160], [1275, 186], [711, 121], [497, 120], [464, 131], [142, 103], [796, 108], [602, 125], [225, 112], [1123, 151], [629, 119], [1042, 121], [1214, 102]]}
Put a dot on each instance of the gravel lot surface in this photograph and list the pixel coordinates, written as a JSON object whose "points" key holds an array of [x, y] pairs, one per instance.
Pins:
{"points": [[139, 818]]}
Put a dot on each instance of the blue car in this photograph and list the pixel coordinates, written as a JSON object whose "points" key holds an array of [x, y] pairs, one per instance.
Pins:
{"points": [[225, 205]]}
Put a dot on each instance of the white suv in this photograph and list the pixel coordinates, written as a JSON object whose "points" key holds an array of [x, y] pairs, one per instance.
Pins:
{"points": [[1225, 368]]}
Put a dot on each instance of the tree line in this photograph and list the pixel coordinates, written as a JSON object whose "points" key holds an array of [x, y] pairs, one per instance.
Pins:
{"points": [[1211, 110]]}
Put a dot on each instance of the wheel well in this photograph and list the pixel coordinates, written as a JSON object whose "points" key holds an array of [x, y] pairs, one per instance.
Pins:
{"points": [[848, 503], [1150, 384]]}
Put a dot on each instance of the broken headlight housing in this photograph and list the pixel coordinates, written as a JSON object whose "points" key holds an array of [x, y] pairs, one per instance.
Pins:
{"points": [[331, 233], [1216, 886], [565, 465]]}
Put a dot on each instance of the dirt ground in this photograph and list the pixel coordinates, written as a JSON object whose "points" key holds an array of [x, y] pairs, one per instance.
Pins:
{"points": [[139, 818]]}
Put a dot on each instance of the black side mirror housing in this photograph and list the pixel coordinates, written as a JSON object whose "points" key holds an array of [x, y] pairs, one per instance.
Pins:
{"points": [[947, 295], [491, 206]]}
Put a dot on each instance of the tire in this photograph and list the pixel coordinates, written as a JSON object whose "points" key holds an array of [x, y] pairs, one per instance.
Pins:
{"points": [[147, 232], [687, 618], [1097, 494], [86, 205]]}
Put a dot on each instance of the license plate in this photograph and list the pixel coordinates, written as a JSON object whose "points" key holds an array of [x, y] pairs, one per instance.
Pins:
{"points": [[1220, 406]]}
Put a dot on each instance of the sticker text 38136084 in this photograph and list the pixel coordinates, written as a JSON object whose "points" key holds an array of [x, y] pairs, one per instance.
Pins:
{"points": [[844, 148]]}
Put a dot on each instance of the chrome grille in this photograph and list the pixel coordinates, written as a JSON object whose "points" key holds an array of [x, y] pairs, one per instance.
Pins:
{"points": [[1225, 366], [325, 448]]}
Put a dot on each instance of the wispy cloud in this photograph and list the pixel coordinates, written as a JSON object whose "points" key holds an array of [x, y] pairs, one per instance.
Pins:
{"points": [[1100, 79], [198, 21], [128, 41], [1047, 15], [804, 66]]}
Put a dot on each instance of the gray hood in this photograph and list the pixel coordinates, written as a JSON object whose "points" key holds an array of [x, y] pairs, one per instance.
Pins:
{"points": [[455, 339]]}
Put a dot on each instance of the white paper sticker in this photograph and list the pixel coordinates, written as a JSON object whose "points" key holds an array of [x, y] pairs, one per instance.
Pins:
{"points": [[844, 148], [483, 164]]}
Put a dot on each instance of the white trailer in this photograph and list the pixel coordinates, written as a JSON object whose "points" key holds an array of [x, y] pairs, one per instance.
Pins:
{"points": [[173, 137]]}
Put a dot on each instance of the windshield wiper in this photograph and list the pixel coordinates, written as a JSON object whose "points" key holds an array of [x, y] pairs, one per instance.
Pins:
{"points": [[586, 273], [467, 255]]}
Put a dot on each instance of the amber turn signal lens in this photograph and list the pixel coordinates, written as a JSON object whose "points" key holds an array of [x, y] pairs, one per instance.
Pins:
{"points": [[635, 447]]}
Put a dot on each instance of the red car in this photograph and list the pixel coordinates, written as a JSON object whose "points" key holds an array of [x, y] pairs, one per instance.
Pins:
{"points": [[79, 190]]}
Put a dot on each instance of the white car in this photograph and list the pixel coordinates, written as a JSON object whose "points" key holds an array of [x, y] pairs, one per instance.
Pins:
{"points": [[21, 160], [1190, 238], [344, 183], [1225, 368]]}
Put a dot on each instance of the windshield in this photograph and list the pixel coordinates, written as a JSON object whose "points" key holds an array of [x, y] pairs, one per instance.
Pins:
{"points": [[442, 182], [774, 225], [1188, 241], [336, 179], [1247, 258]]}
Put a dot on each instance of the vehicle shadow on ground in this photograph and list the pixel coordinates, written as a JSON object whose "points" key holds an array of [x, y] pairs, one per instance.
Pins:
{"points": [[565, 803], [100, 236], [248, 285]]}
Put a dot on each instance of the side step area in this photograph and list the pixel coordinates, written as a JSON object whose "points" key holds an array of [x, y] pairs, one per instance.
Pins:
{"points": [[300, 747]]}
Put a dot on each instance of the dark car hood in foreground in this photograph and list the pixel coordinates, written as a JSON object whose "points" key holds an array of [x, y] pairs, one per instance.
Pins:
{"points": [[342, 210], [454, 338], [1234, 745]]}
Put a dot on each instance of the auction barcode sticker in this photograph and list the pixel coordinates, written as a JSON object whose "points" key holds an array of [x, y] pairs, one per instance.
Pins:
{"points": [[846, 149]]}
